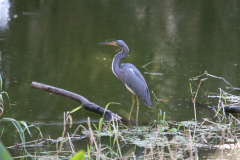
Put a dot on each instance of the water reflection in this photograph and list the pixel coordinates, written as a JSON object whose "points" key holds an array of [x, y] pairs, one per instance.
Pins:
{"points": [[51, 41], [4, 14], [56, 43]]}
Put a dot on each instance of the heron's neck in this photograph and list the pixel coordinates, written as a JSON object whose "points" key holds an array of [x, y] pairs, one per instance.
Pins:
{"points": [[116, 60]]}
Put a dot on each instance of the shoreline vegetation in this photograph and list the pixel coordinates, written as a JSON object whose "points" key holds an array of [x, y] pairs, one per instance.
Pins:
{"points": [[160, 139]]}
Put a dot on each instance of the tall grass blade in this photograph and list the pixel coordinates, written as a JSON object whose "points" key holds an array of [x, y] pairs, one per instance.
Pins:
{"points": [[26, 127], [164, 116], [95, 126], [88, 151], [114, 140], [108, 105], [7, 97], [100, 124], [1, 133], [0, 83], [100, 127], [191, 88], [179, 126], [74, 110]]}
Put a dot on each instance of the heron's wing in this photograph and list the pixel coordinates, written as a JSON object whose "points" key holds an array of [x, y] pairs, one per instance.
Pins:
{"points": [[136, 82], [135, 70]]}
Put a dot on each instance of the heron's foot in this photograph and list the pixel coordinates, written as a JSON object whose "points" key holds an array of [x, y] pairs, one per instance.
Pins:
{"points": [[162, 100]]}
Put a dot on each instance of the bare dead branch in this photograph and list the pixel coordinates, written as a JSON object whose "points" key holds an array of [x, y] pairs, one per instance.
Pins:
{"points": [[85, 102]]}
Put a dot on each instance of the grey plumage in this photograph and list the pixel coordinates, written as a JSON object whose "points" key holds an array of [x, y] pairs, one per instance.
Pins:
{"points": [[129, 74]]}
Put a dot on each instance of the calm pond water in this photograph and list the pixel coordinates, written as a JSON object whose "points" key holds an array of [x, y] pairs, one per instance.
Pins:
{"points": [[56, 43]]}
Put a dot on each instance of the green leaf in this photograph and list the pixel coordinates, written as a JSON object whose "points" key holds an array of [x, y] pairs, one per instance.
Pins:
{"points": [[7, 96], [110, 137], [8, 119], [114, 140], [191, 88], [88, 151], [0, 83], [100, 128], [74, 110], [26, 127], [179, 126], [164, 116], [108, 105], [79, 155], [172, 130], [95, 126], [4, 154], [100, 124]]}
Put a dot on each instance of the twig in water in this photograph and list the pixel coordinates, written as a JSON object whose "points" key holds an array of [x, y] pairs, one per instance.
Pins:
{"points": [[210, 75], [38, 141], [222, 126], [152, 62], [158, 100], [220, 102], [195, 107], [71, 144], [153, 73], [63, 134], [230, 115], [198, 89], [115, 128]]}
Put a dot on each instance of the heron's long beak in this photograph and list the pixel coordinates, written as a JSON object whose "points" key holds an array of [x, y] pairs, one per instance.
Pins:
{"points": [[109, 43]]}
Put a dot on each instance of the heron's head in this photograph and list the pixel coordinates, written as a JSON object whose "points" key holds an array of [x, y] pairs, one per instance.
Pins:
{"points": [[120, 43]]}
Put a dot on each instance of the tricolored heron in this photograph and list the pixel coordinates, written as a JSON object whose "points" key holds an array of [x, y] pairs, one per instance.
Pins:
{"points": [[130, 76]]}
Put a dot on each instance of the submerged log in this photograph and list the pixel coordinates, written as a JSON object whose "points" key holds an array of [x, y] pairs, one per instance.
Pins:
{"points": [[85, 102], [228, 109], [232, 109]]}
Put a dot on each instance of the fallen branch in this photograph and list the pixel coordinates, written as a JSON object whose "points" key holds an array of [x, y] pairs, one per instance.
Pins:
{"points": [[210, 75], [85, 102], [230, 109]]}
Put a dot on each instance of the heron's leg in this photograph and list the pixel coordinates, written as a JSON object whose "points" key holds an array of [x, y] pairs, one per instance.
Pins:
{"points": [[133, 102], [137, 109]]}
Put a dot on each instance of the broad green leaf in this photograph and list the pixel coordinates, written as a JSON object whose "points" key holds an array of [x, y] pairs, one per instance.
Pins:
{"points": [[79, 156], [4, 154]]}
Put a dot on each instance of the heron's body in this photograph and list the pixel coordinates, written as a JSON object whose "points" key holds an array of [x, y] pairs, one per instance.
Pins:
{"points": [[135, 82], [129, 74]]}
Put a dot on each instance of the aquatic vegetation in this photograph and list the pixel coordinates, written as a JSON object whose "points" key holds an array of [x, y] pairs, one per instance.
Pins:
{"points": [[1, 97], [160, 139], [20, 126]]}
